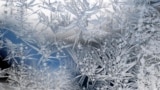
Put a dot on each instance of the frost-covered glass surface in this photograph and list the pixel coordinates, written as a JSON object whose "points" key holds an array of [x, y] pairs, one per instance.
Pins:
{"points": [[80, 45]]}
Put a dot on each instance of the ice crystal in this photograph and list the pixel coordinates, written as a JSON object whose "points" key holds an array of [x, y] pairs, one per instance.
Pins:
{"points": [[80, 44]]}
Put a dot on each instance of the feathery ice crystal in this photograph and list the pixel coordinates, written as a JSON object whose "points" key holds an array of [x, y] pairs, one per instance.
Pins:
{"points": [[80, 44]]}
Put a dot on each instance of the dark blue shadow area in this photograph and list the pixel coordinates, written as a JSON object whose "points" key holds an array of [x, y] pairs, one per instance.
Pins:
{"points": [[15, 40], [4, 64], [3, 54]]}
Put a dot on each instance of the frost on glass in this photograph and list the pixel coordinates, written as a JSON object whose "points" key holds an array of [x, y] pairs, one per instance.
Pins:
{"points": [[80, 45]]}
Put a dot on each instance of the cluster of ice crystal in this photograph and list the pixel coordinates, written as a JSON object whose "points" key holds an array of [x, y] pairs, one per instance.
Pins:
{"points": [[80, 44]]}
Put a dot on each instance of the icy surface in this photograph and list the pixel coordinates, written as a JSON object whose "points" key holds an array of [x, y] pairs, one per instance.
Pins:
{"points": [[80, 45]]}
